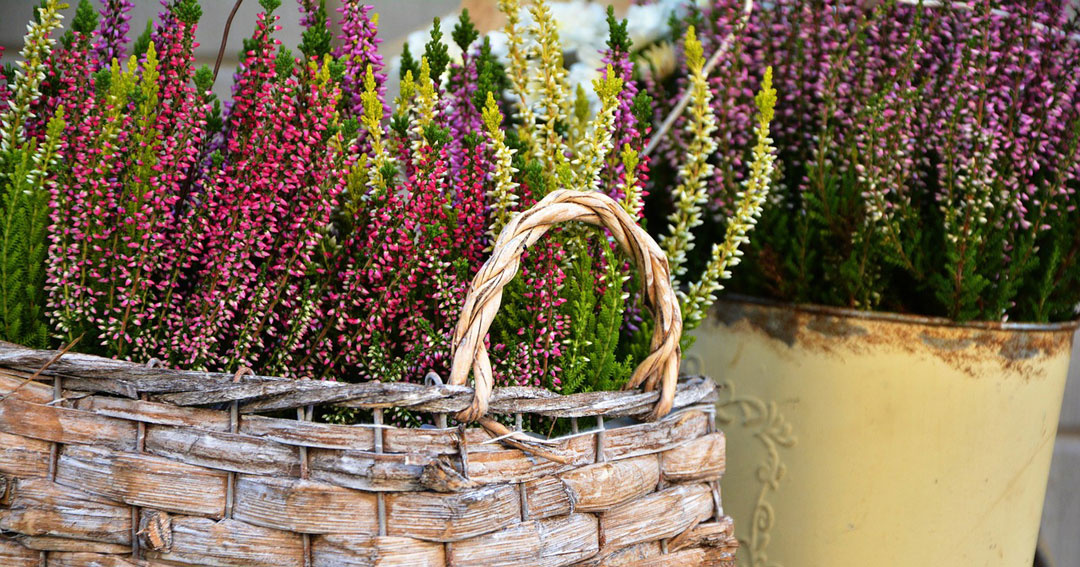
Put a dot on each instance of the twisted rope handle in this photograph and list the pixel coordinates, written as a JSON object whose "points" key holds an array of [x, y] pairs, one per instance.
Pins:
{"points": [[659, 369]]}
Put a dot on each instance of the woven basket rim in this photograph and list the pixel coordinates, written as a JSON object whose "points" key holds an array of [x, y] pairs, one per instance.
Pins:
{"points": [[260, 393]]}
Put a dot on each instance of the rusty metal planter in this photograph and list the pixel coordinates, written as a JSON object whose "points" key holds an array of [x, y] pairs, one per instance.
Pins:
{"points": [[880, 439]]}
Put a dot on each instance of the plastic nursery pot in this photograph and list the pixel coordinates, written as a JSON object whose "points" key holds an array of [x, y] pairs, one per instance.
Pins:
{"points": [[881, 439]]}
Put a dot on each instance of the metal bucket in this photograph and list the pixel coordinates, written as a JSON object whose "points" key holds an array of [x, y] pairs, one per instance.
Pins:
{"points": [[879, 439]]}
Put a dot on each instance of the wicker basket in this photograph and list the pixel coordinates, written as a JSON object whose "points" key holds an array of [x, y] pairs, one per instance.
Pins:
{"points": [[110, 463]]}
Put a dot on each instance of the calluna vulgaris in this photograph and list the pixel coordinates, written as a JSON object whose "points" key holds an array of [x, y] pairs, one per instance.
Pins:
{"points": [[929, 154], [311, 229]]}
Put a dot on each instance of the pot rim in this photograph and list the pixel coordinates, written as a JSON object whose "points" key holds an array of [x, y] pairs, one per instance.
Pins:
{"points": [[889, 316]]}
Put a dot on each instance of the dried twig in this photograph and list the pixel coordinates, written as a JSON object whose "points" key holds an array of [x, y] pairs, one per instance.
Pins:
{"points": [[63, 350], [225, 37]]}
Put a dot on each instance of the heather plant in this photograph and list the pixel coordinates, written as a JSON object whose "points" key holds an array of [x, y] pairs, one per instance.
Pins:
{"points": [[690, 193], [309, 228], [263, 207], [572, 284], [130, 146], [113, 32], [928, 154], [359, 49], [26, 166]]}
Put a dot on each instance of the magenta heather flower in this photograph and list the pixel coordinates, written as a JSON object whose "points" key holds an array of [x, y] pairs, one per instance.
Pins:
{"points": [[262, 213], [397, 281], [5, 91], [462, 115], [113, 214], [628, 130]]}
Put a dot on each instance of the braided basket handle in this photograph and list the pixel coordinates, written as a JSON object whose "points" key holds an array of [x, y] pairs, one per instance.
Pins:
{"points": [[659, 369]]}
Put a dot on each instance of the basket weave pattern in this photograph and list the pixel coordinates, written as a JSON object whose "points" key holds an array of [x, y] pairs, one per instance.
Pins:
{"points": [[106, 463]]}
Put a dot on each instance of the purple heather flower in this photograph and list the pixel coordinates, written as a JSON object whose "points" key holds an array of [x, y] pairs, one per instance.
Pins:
{"points": [[113, 31], [359, 48]]}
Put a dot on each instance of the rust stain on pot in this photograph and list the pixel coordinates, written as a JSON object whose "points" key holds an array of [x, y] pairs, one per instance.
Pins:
{"points": [[973, 349], [836, 327], [780, 324], [1023, 346], [945, 343]]}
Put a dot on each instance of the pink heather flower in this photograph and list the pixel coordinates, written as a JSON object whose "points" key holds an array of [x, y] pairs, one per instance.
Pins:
{"points": [[399, 280], [114, 211], [5, 90]]}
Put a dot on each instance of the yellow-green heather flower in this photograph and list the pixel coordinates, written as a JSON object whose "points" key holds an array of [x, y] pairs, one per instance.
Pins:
{"points": [[428, 98], [580, 124], [504, 195], [427, 107], [594, 148], [756, 188], [46, 155], [372, 121], [631, 201], [519, 68], [690, 193], [406, 91], [553, 91], [29, 73]]}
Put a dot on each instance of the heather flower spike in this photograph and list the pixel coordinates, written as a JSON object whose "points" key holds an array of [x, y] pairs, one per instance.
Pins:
{"points": [[632, 199], [690, 194], [113, 31], [552, 89], [519, 69], [593, 149], [359, 50], [427, 99], [725, 255], [504, 195], [29, 73], [373, 111]]}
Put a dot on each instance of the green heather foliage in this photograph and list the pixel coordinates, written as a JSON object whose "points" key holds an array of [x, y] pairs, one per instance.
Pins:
{"points": [[596, 321], [316, 39], [408, 63], [85, 22], [435, 51], [142, 43], [23, 243], [464, 32], [24, 181]]}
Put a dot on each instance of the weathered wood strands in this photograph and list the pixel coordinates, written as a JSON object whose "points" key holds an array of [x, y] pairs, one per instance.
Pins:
{"points": [[142, 467]]}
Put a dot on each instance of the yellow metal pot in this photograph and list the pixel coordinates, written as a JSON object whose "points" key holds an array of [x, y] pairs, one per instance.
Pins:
{"points": [[861, 439]]}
